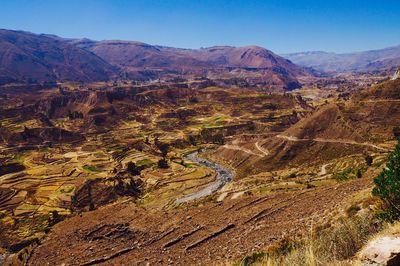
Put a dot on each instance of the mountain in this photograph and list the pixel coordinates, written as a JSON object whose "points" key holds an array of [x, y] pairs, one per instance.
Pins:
{"points": [[137, 54], [252, 63], [29, 57], [387, 59]]}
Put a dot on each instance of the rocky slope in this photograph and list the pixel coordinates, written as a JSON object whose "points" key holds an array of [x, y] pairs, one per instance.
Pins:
{"points": [[338, 129]]}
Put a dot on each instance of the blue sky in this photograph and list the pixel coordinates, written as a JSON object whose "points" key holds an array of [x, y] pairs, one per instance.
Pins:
{"points": [[279, 25]]}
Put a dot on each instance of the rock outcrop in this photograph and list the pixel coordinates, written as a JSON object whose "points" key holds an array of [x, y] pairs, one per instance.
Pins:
{"points": [[396, 75], [382, 251]]}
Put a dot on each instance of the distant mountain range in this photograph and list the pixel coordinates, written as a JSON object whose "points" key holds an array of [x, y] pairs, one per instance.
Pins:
{"points": [[26, 56], [382, 60]]}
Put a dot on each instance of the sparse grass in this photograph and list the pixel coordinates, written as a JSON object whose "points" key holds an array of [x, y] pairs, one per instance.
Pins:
{"points": [[91, 168], [344, 175], [20, 156], [254, 95], [44, 150], [67, 189], [130, 123], [17, 128], [327, 245], [190, 165], [144, 162], [349, 173], [99, 154], [133, 136], [5, 122], [212, 125], [217, 123], [220, 118], [114, 148]]}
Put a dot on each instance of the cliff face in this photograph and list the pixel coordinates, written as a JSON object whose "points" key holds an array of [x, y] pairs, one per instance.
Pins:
{"points": [[396, 75]]}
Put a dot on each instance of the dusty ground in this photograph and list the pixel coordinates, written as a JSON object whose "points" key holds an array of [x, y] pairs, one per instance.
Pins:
{"points": [[209, 233]]}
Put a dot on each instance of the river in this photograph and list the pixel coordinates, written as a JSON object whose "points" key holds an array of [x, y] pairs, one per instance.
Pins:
{"points": [[223, 176]]}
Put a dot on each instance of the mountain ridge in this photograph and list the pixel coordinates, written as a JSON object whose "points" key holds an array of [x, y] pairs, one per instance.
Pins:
{"points": [[378, 60], [48, 57]]}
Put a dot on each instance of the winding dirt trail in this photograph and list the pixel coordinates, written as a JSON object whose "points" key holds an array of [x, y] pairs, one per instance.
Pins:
{"points": [[238, 148], [341, 141], [323, 169], [265, 152]]}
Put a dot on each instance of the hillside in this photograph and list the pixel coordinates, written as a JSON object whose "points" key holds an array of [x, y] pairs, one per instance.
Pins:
{"points": [[29, 57], [380, 60]]}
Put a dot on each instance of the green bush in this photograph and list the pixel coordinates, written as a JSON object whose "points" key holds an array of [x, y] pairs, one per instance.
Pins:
{"points": [[91, 168], [387, 184]]}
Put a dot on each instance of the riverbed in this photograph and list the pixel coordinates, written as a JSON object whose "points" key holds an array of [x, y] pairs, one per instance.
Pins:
{"points": [[223, 176]]}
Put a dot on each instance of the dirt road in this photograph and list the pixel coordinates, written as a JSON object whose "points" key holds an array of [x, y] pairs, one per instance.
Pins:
{"points": [[341, 141]]}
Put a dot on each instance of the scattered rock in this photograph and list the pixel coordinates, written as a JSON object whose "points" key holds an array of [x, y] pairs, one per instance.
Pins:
{"points": [[237, 195], [222, 196]]}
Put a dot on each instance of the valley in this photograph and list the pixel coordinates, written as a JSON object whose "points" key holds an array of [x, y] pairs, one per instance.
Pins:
{"points": [[109, 173], [219, 147]]}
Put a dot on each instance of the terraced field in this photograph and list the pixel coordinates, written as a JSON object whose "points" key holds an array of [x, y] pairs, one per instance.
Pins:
{"points": [[110, 167]]}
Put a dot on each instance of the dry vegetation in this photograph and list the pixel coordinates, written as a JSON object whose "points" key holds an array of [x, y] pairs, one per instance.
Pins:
{"points": [[111, 158]]}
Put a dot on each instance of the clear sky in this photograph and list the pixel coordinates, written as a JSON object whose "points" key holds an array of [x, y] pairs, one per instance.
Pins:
{"points": [[279, 25]]}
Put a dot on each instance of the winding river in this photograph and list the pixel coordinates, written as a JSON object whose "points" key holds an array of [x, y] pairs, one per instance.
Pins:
{"points": [[223, 176]]}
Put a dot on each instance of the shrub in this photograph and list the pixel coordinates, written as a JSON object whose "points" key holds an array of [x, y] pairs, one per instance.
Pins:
{"points": [[396, 132], [369, 160], [193, 100], [358, 173], [133, 169], [344, 175], [91, 168], [163, 147], [387, 184], [162, 163], [331, 245]]}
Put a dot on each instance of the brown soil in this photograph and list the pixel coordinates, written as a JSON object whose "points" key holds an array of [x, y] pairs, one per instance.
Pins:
{"points": [[209, 233]]}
